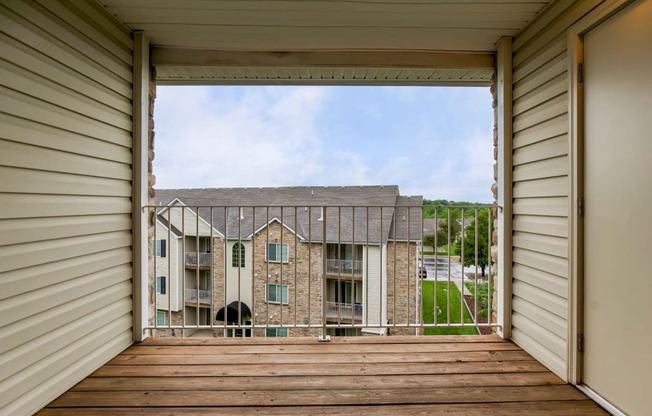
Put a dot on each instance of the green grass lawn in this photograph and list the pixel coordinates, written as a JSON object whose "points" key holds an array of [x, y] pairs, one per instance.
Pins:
{"points": [[442, 304]]}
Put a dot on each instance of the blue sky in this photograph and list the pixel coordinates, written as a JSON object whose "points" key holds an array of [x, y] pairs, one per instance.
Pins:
{"points": [[431, 141]]}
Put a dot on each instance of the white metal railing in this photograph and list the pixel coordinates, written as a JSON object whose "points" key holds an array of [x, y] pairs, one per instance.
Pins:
{"points": [[343, 310], [344, 267], [404, 286], [192, 295], [199, 259]]}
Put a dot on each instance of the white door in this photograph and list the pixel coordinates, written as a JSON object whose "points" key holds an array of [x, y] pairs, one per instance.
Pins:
{"points": [[618, 209]]}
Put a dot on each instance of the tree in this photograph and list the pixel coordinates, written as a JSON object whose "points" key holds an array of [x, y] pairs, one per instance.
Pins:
{"points": [[483, 243]]}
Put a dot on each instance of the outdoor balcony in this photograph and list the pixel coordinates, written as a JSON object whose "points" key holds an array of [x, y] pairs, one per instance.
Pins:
{"points": [[201, 261], [344, 267], [452, 375], [346, 311], [191, 296]]}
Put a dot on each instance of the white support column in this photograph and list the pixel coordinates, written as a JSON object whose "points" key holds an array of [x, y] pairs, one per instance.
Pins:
{"points": [[504, 91], [140, 111]]}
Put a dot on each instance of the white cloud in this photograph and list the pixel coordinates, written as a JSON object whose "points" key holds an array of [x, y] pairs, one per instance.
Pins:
{"points": [[433, 142], [261, 138]]}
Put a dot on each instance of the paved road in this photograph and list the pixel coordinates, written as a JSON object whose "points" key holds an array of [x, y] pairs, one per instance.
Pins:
{"points": [[442, 268]]}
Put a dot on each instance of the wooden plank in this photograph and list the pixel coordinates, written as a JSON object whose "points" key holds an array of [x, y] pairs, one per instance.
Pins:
{"points": [[398, 339], [315, 383], [548, 408], [238, 370], [323, 358], [317, 348], [320, 397]]}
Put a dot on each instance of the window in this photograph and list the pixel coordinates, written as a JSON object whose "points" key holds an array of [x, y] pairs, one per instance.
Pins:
{"points": [[277, 294], [160, 248], [277, 252], [238, 255], [276, 332], [160, 285], [160, 318]]}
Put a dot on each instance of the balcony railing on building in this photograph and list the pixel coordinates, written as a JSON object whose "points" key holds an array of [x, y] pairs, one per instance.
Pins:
{"points": [[269, 272], [201, 260], [344, 267], [203, 296], [338, 310]]}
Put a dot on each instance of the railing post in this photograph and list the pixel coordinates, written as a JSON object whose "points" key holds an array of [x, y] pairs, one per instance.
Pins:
{"points": [[324, 337]]}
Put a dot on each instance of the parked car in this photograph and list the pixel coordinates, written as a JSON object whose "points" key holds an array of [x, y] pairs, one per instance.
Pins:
{"points": [[423, 273]]}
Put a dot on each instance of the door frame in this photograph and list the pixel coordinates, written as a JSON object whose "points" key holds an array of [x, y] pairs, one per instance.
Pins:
{"points": [[575, 50]]}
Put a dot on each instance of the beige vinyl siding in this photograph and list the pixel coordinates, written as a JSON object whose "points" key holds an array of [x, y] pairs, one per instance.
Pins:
{"points": [[541, 184], [372, 289], [65, 184]]}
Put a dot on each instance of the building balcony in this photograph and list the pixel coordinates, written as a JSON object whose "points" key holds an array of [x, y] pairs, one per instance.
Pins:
{"points": [[202, 261], [192, 295], [348, 311], [344, 267]]}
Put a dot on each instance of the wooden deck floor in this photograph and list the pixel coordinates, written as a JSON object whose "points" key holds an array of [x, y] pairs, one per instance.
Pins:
{"points": [[451, 375]]}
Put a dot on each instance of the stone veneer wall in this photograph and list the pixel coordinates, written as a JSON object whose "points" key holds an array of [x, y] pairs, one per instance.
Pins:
{"points": [[304, 287], [494, 211], [218, 250], [402, 296], [151, 181]]}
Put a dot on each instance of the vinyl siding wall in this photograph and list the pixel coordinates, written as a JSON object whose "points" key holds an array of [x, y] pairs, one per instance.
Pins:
{"points": [[65, 189], [541, 184]]}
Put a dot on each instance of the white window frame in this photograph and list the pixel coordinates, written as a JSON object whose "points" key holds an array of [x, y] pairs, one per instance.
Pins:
{"points": [[285, 300], [163, 314], [284, 258], [241, 249], [274, 332]]}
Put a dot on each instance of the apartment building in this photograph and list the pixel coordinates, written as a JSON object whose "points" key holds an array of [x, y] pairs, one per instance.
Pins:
{"points": [[286, 257]]}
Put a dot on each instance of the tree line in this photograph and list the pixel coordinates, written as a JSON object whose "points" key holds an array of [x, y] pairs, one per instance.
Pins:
{"points": [[449, 224]]}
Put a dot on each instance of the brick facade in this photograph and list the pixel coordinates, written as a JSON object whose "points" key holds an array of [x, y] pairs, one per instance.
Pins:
{"points": [[402, 296], [302, 274]]}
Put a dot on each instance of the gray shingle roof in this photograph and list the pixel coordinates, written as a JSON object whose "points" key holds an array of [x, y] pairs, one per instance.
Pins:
{"points": [[357, 213]]}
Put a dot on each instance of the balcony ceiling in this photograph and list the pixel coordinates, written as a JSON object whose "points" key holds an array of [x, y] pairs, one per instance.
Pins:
{"points": [[336, 41]]}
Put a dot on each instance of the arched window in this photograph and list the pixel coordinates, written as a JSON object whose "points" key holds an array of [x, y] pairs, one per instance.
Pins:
{"points": [[238, 255]]}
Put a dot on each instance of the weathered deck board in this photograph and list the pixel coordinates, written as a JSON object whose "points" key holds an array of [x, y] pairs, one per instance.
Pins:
{"points": [[455, 376]]}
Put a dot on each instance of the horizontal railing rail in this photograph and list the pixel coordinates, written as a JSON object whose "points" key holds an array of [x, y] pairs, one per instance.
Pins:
{"points": [[269, 269]]}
